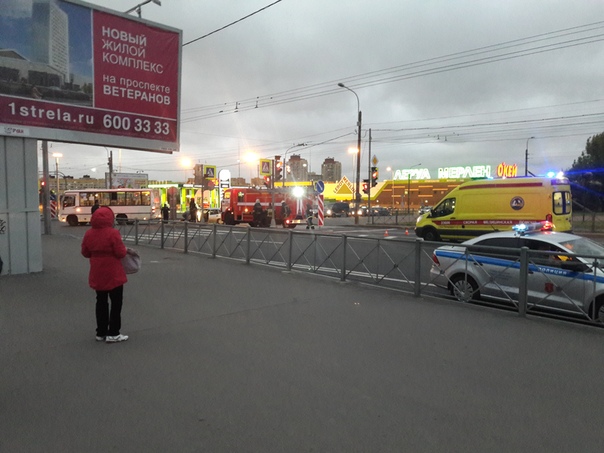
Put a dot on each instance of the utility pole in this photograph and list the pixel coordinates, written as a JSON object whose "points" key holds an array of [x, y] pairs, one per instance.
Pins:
{"points": [[110, 163], [369, 178]]}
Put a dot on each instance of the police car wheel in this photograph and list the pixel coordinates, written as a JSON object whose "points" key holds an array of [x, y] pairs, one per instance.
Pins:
{"points": [[464, 288], [598, 314]]}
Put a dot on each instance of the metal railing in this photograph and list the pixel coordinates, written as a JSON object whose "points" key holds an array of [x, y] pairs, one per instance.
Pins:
{"points": [[402, 264]]}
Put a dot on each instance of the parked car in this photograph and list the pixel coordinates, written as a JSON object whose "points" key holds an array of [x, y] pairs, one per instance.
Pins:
{"points": [[559, 279], [212, 215], [380, 211], [338, 209]]}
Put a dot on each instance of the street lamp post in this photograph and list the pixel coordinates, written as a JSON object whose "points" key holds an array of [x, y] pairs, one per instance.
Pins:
{"points": [[409, 189], [137, 8], [357, 194], [526, 172], [57, 156], [392, 179]]}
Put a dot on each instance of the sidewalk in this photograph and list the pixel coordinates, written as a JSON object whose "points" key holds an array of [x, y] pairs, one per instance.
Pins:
{"points": [[228, 357]]}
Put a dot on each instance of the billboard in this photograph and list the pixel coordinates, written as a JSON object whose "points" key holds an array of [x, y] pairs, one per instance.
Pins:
{"points": [[126, 180], [74, 72]]}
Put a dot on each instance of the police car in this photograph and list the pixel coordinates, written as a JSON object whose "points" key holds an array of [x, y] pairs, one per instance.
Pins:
{"points": [[565, 271]]}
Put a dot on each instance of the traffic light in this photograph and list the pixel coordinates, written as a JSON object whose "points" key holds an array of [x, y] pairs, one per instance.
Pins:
{"points": [[374, 176], [365, 186], [278, 170], [267, 181]]}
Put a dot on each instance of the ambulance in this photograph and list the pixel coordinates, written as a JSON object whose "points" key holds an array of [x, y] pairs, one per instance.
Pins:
{"points": [[487, 205]]}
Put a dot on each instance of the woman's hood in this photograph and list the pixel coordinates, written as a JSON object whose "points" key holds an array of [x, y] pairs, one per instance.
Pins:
{"points": [[102, 218]]}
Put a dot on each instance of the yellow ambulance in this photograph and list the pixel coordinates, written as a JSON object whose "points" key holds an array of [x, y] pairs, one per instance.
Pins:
{"points": [[487, 205]]}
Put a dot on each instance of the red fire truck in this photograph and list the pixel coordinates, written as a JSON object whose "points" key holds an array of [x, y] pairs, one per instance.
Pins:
{"points": [[238, 207]]}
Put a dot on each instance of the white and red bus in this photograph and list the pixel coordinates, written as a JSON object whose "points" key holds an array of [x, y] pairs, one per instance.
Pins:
{"points": [[127, 204]]}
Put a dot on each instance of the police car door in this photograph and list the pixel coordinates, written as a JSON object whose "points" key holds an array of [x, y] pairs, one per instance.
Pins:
{"points": [[553, 282]]}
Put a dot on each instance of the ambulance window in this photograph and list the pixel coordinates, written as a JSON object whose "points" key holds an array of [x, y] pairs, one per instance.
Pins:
{"points": [[240, 196], [562, 203], [444, 208]]}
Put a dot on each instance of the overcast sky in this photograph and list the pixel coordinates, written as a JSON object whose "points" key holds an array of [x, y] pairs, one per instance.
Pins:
{"points": [[440, 82]]}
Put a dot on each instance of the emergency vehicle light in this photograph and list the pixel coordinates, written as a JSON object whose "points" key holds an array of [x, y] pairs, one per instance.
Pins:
{"points": [[523, 228]]}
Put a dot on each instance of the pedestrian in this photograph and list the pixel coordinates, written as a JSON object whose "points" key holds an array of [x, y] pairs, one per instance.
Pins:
{"points": [[165, 212], [193, 210], [103, 245], [257, 213], [285, 212], [309, 215], [95, 206]]}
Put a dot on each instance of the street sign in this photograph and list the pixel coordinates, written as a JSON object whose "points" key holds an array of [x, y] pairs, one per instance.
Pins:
{"points": [[209, 171], [266, 167], [319, 186], [374, 161]]}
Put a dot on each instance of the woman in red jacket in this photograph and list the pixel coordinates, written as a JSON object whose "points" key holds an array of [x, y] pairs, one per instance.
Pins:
{"points": [[104, 246]]}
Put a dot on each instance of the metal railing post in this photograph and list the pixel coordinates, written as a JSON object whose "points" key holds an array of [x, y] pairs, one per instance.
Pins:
{"points": [[248, 252], [214, 240], [186, 247], [523, 286], [136, 232], [163, 233], [344, 246], [290, 249], [417, 286]]}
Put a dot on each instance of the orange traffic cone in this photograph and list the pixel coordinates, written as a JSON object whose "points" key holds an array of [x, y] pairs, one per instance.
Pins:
{"points": [[407, 231], [386, 233]]}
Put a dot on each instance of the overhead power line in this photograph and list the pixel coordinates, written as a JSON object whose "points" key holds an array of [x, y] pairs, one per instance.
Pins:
{"points": [[232, 23], [483, 55]]}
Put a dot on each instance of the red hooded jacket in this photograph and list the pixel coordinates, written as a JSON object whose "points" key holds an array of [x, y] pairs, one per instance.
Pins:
{"points": [[104, 246]]}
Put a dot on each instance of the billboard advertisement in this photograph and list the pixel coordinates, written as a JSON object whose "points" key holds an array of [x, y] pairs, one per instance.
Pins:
{"points": [[74, 72], [126, 180]]}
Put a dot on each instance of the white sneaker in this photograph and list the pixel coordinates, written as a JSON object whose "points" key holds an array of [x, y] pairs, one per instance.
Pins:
{"points": [[116, 338], [100, 338]]}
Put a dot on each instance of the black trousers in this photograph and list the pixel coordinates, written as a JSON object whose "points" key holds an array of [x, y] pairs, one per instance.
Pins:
{"points": [[109, 322]]}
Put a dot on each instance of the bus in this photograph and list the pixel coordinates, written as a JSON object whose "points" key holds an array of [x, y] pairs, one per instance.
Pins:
{"points": [[127, 204]]}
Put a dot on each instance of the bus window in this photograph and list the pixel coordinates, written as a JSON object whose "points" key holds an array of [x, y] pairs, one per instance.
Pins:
{"points": [[68, 201]]}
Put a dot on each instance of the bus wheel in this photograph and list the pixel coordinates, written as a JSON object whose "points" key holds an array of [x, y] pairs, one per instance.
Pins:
{"points": [[431, 235], [72, 220], [121, 219]]}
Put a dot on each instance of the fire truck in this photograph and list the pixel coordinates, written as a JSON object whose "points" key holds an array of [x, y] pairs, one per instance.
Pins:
{"points": [[238, 207]]}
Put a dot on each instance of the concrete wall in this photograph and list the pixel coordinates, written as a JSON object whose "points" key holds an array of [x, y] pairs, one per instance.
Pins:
{"points": [[20, 231]]}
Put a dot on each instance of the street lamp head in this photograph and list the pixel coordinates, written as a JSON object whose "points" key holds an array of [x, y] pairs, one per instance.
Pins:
{"points": [[341, 85]]}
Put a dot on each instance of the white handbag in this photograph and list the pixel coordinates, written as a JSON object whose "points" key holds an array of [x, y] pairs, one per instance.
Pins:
{"points": [[131, 262]]}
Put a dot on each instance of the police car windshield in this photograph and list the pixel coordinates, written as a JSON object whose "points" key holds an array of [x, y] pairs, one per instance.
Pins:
{"points": [[583, 246]]}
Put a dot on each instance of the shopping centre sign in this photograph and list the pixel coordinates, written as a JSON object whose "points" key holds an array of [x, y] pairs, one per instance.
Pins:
{"points": [[78, 73], [459, 172]]}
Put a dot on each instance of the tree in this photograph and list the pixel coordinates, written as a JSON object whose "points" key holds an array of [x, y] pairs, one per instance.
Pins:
{"points": [[587, 174]]}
